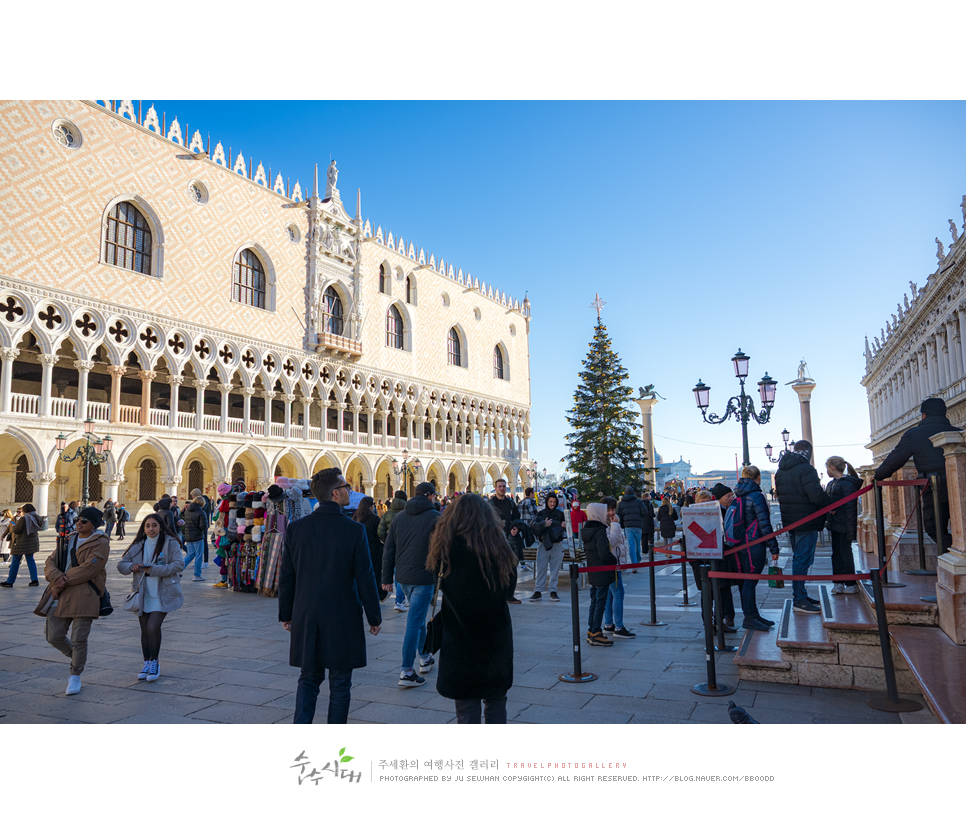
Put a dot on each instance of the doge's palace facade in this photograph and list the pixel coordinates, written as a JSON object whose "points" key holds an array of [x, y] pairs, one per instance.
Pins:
{"points": [[219, 322]]}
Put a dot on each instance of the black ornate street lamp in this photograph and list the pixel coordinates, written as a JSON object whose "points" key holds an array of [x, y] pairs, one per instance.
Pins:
{"points": [[95, 452], [741, 405], [406, 467], [786, 435]]}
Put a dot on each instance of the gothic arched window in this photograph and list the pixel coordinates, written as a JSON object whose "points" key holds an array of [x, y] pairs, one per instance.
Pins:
{"points": [[498, 362], [128, 239], [248, 279], [147, 480], [394, 328], [196, 476], [383, 280], [23, 491], [331, 312], [453, 348]]}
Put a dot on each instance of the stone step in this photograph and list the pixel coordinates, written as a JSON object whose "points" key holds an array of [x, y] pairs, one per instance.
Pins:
{"points": [[938, 666], [798, 631], [904, 606], [760, 659]]}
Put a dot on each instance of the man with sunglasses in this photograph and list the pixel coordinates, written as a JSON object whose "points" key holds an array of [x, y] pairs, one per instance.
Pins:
{"points": [[77, 578], [325, 584]]}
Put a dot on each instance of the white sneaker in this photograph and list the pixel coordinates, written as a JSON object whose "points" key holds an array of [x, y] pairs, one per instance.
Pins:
{"points": [[850, 589], [838, 588], [144, 670], [198, 579], [73, 685], [400, 607], [154, 671], [426, 666], [204, 565]]}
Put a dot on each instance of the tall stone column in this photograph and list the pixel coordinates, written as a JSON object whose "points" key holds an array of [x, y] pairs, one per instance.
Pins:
{"points": [[340, 421], [268, 397], [951, 567], [370, 487], [225, 389], [421, 426], [247, 392], [803, 388], [7, 355], [175, 381], [306, 417], [961, 336], [111, 484], [41, 497], [288, 399], [47, 363], [647, 430], [116, 373], [83, 371], [200, 386], [146, 378], [356, 409]]}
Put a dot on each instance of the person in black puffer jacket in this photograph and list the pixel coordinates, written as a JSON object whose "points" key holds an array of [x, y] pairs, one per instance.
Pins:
{"points": [[757, 521], [195, 527], [396, 506], [929, 460], [799, 495], [405, 552], [843, 521], [550, 528], [597, 550], [169, 521], [637, 520]]}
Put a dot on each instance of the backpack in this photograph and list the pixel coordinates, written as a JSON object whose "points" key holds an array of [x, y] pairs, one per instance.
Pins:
{"points": [[737, 529]]}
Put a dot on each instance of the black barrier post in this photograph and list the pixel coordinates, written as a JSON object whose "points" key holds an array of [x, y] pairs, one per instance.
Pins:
{"points": [[711, 688], [880, 539], [937, 509], [892, 702], [719, 616], [922, 570], [650, 581], [578, 675], [684, 586]]}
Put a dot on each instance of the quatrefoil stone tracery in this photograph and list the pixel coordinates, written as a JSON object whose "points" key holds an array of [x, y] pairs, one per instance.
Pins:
{"points": [[51, 318], [87, 325]]}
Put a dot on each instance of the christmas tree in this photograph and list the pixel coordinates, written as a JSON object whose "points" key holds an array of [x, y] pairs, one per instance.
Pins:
{"points": [[606, 450]]}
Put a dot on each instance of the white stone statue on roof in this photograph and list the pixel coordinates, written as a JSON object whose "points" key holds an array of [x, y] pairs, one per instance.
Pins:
{"points": [[802, 370]]}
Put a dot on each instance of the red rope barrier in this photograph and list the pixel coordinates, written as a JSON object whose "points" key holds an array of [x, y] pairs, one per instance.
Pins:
{"points": [[916, 482]]}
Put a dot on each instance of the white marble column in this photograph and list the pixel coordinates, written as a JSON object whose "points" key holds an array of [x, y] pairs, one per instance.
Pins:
{"points": [[961, 318], [200, 386], [370, 487], [41, 496], [175, 381], [47, 363], [83, 371], [247, 392], [146, 377], [116, 373], [268, 397], [356, 409], [7, 355], [225, 389], [306, 417], [339, 420], [288, 399], [111, 484]]}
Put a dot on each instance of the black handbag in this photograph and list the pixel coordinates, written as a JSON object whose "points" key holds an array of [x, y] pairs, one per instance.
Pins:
{"points": [[434, 628], [106, 608]]}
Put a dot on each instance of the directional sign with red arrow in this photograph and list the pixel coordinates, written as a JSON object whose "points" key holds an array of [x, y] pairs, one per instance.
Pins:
{"points": [[708, 540], [703, 530]]}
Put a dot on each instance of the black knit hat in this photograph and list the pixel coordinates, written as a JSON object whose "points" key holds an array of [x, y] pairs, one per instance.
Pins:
{"points": [[93, 515], [720, 490], [400, 494], [933, 406]]}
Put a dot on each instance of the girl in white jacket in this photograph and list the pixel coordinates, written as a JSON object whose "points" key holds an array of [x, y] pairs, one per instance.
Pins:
{"points": [[614, 607]]}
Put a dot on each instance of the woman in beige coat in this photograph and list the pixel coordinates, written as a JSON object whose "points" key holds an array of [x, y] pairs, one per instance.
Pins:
{"points": [[154, 558], [77, 577]]}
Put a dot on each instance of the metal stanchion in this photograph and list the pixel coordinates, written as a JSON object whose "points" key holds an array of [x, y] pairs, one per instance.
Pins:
{"points": [[892, 702], [922, 570], [578, 676], [937, 509], [880, 539], [684, 586], [719, 616], [711, 688], [650, 581]]}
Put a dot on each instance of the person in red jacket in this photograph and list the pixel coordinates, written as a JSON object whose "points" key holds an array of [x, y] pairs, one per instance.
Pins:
{"points": [[577, 517]]}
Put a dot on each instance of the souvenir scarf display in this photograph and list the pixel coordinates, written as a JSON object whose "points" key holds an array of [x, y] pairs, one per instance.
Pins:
{"points": [[224, 536], [243, 555], [273, 541]]}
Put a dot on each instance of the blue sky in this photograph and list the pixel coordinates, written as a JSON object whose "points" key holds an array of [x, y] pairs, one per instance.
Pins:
{"points": [[788, 229]]}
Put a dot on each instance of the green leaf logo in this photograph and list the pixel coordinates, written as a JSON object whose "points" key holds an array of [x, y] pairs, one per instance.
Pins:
{"points": [[343, 757]]}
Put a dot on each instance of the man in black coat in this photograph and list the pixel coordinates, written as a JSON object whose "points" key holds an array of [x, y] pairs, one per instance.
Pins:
{"points": [[508, 513], [325, 583], [929, 460], [405, 552], [799, 495]]}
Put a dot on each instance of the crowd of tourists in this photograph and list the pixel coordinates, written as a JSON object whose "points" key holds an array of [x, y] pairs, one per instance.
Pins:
{"points": [[466, 548]]}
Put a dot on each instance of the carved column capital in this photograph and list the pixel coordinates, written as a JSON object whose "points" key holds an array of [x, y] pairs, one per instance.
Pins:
{"points": [[147, 374], [201, 384], [9, 353], [41, 478], [247, 391], [225, 388], [47, 359], [83, 365], [176, 380], [116, 371]]}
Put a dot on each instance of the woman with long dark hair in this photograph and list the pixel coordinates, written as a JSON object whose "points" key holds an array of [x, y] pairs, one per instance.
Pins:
{"points": [[26, 542], [843, 522], [476, 665], [154, 558], [367, 515]]}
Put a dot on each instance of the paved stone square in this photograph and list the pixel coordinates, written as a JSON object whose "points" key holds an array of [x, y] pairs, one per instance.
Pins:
{"points": [[224, 659]]}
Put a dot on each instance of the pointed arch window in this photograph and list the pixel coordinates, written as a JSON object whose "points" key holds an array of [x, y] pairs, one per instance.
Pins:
{"points": [[383, 280], [498, 369], [394, 328], [331, 312], [453, 351], [248, 279], [128, 240], [23, 489], [196, 476], [237, 472], [410, 293]]}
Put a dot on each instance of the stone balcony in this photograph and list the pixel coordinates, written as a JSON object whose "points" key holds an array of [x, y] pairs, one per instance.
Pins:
{"points": [[336, 344]]}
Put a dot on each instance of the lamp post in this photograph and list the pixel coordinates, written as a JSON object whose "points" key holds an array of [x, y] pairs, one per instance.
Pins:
{"points": [[769, 448], [95, 452], [741, 405], [407, 467]]}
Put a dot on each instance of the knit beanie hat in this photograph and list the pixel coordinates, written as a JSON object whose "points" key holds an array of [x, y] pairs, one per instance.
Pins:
{"points": [[720, 490], [93, 515], [400, 494]]}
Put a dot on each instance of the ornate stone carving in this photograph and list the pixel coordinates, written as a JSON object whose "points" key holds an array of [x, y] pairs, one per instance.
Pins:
{"points": [[953, 230], [940, 251]]}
